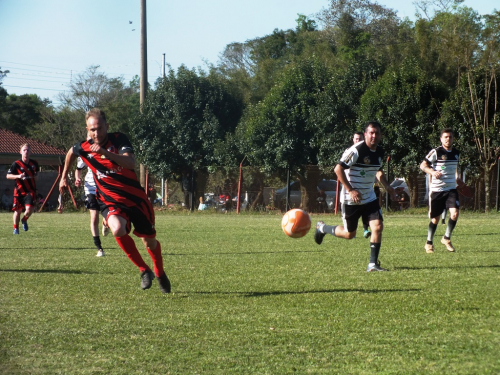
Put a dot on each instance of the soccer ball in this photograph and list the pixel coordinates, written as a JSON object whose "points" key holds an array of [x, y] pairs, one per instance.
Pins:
{"points": [[296, 223]]}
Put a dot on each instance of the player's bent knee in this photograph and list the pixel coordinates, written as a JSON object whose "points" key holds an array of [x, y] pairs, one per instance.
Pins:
{"points": [[350, 235]]}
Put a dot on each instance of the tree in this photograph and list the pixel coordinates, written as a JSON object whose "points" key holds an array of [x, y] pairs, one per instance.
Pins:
{"points": [[475, 50], [182, 121], [93, 88], [3, 73], [406, 102], [20, 113], [279, 132]]}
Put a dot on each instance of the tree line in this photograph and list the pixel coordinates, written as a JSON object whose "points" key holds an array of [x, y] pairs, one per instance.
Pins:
{"points": [[294, 97]]}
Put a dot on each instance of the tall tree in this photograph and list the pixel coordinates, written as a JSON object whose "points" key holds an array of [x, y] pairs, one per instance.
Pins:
{"points": [[279, 131], [182, 121], [406, 102], [20, 113], [474, 49]]}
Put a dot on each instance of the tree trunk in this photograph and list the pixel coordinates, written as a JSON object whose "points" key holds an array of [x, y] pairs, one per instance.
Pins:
{"points": [[308, 188], [487, 186], [412, 182]]}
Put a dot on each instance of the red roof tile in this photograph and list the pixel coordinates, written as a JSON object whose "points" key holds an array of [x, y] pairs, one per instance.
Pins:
{"points": [[10, 143]]}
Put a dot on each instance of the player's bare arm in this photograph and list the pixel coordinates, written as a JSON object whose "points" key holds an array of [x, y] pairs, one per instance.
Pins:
{"points": [[424, 166], [125, 160], [68, 161], [78, 177], [11, 176], [383, 180], [340, 172]]}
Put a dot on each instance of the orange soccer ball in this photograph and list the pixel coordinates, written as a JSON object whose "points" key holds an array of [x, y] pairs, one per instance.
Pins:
{"points": [[296, 223]]}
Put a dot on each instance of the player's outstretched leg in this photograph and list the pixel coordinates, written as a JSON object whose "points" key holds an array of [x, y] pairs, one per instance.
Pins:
{"points": [[318, 233], [127, 244], [374, 264], [161, 276], [147, 277]]}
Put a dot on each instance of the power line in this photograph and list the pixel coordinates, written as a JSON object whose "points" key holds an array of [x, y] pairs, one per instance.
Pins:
{"points": [[41, 71], [39, 80], [32, 88], [39, 66]]}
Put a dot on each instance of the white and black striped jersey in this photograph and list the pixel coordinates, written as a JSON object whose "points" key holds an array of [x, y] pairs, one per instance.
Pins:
{"points": [[445, 162], [89, 186], [361, 166]]}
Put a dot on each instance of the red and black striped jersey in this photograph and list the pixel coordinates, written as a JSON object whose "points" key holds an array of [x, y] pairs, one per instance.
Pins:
{"points": [[27, 184], [115, 185]]}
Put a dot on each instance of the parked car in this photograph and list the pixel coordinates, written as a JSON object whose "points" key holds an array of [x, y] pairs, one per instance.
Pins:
{"points": [[327, 198]]}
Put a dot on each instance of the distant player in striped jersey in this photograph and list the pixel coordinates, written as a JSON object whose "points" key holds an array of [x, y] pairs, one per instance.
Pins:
{"points": [[442, 165], [123, 202], [357, 170], [91, 204], [24, 171]]}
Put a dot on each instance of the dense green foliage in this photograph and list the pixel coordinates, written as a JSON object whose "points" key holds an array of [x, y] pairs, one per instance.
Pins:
{"points": [[295, 97], [249, 300]]}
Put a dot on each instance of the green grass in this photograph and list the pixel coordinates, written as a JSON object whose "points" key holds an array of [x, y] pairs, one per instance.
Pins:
{"points": [[249, 300]]}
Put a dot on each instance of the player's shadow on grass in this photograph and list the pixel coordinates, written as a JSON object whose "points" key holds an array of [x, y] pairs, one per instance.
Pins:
{"points": [[444, 267], [50, 271], [284, 292], [251, 252], [44, 248]]}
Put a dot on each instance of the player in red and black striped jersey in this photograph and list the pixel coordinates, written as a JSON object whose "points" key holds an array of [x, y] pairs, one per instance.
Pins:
{"points": [[123, 202], [24, 171]]}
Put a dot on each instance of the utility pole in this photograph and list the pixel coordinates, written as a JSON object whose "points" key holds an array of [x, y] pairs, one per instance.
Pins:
{"points": [[164, 184], [144, 77]]}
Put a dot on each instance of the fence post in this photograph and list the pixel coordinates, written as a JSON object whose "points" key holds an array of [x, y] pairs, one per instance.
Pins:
{"points": [[287, 203], [498, 180], [389, 181], [238, 199]]}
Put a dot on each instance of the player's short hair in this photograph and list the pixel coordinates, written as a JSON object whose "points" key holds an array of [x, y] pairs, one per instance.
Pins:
{"points": [[373, 124], [95, 112], [24, 144], [361, 134], [446, 130]]}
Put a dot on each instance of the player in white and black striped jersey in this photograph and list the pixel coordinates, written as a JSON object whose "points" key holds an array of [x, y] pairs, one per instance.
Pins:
{"points": [[357, 170], [441, 164]]}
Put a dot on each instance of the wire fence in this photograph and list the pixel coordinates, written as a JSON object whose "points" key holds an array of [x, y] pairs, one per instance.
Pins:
{"points": [[310, 188]]}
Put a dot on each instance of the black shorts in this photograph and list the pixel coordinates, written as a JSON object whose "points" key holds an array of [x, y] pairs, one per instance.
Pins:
{"points": [[442, 200], [351, 214], [23, 200], [91, 202]]}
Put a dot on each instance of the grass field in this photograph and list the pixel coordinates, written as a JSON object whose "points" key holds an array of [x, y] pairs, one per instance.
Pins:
{"points": [[249, 300]]}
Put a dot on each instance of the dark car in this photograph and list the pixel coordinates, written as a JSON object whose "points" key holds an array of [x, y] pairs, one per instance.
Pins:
{"points": [[326, 191]]}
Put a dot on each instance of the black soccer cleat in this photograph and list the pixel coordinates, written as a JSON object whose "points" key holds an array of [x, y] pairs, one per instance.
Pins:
{"points": [[147, 279], [318, 236], [164, 283]]}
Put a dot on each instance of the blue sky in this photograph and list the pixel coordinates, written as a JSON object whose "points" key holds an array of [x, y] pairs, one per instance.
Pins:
{"points": [[45, 43]]}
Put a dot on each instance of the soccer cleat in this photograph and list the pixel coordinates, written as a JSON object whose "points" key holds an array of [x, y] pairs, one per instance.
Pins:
{"points": [[25, 225], [100, 253], [318, 236], [375, 267], [16, 231], [448, 245], [147, 279], [105, 229], [429, 248], [164, 283], [367, 233]]}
